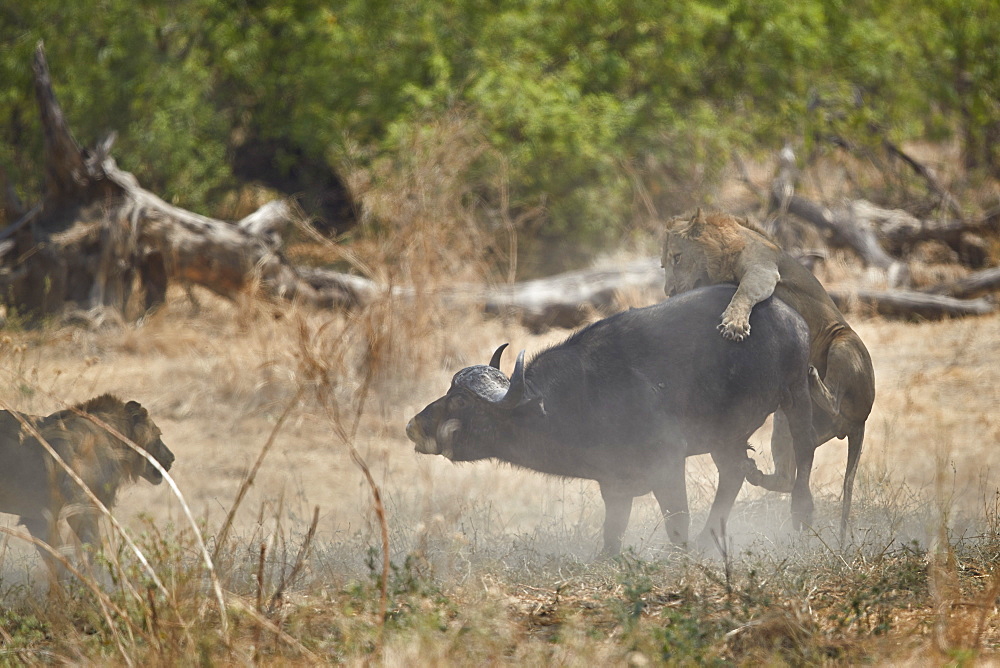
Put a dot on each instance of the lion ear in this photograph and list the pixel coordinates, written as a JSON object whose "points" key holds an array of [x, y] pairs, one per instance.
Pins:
{"points": [[693, 227], [135, 411]]}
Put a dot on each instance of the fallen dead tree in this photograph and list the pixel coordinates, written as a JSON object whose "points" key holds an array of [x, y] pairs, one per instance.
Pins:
{"points": [[911, 304], [569, 299], [97, 234], [975, 284], [852, 228]]}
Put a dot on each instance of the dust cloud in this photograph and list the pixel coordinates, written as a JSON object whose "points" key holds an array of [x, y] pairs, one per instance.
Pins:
{"points": [[216, 384]]}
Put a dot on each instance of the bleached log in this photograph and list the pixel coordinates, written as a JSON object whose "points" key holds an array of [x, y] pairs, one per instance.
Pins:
{"points": [[975, 284], [912, 304]]}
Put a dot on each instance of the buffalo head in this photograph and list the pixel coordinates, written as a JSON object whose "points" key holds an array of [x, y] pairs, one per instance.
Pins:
{"points": [[467, 422]]}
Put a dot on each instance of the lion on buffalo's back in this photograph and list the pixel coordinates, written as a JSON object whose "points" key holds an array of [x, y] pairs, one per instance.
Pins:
{"points": [[35, 487], [707, 249]]}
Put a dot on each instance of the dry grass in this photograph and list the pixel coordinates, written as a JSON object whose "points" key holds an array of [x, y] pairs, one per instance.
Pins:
{"points": [[491, 562], [275, 406]]}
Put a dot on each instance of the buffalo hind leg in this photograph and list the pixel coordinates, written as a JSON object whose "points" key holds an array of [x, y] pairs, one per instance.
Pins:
{"points": [[799, 416], [732, 465], [617, 509], [783, 450]]}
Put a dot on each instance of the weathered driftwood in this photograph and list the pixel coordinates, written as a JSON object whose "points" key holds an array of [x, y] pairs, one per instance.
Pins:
{"points": [[881, 236], [569, 299], [846, 225], [11, 206], [911, 304], [899, 230], [926, 174], [975, 284], [850, 226]]}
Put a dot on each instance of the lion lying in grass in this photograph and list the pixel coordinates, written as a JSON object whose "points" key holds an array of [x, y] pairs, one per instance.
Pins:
{"points": [[718, 248], [34, 486]]}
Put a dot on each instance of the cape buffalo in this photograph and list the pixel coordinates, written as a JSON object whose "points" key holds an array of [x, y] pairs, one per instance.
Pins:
{"points": [[626, 399]]}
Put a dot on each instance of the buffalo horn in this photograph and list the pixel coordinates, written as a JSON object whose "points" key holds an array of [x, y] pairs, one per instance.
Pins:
{"points": [[495, 361], [516, 390]]}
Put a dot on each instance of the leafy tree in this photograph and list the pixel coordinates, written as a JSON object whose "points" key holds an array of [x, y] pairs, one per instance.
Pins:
{"points": [[586, 104]]}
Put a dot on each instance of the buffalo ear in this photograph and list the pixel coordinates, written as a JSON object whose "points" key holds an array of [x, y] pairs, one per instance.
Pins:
{"points": [[495, 361]]}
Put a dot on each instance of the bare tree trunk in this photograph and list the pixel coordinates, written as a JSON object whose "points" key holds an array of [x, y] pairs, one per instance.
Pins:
{"points": [[852, 227], [569, 299]]}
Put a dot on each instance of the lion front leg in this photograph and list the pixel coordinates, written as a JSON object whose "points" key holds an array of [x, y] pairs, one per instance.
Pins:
{"points": [[85, 524], [735, 324], [756, 284]]}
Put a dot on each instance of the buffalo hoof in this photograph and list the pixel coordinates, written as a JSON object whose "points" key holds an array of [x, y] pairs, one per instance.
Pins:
{"points": [[802, 514]]}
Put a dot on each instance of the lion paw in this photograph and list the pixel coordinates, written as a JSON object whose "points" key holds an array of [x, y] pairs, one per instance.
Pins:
{"points": [[734, 330]]}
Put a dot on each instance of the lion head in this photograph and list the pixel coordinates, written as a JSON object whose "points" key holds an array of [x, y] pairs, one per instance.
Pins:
{"points": [[129, 419], [145, 434], [700, 250]]}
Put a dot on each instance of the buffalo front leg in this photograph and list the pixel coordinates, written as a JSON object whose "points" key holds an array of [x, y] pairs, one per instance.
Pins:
{"points": [[671, 493], [617, 509]]}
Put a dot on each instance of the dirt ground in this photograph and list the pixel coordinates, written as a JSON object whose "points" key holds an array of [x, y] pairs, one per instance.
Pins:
{"points": [[217, 382]]}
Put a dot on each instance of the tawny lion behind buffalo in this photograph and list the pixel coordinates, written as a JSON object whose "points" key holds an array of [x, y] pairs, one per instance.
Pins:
{"points": [[34, 486], [718, 248]]}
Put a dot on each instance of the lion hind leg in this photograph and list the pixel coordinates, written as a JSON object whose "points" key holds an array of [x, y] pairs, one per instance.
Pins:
{"points": [[44, 528], [821, 394], [850, 379]]}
